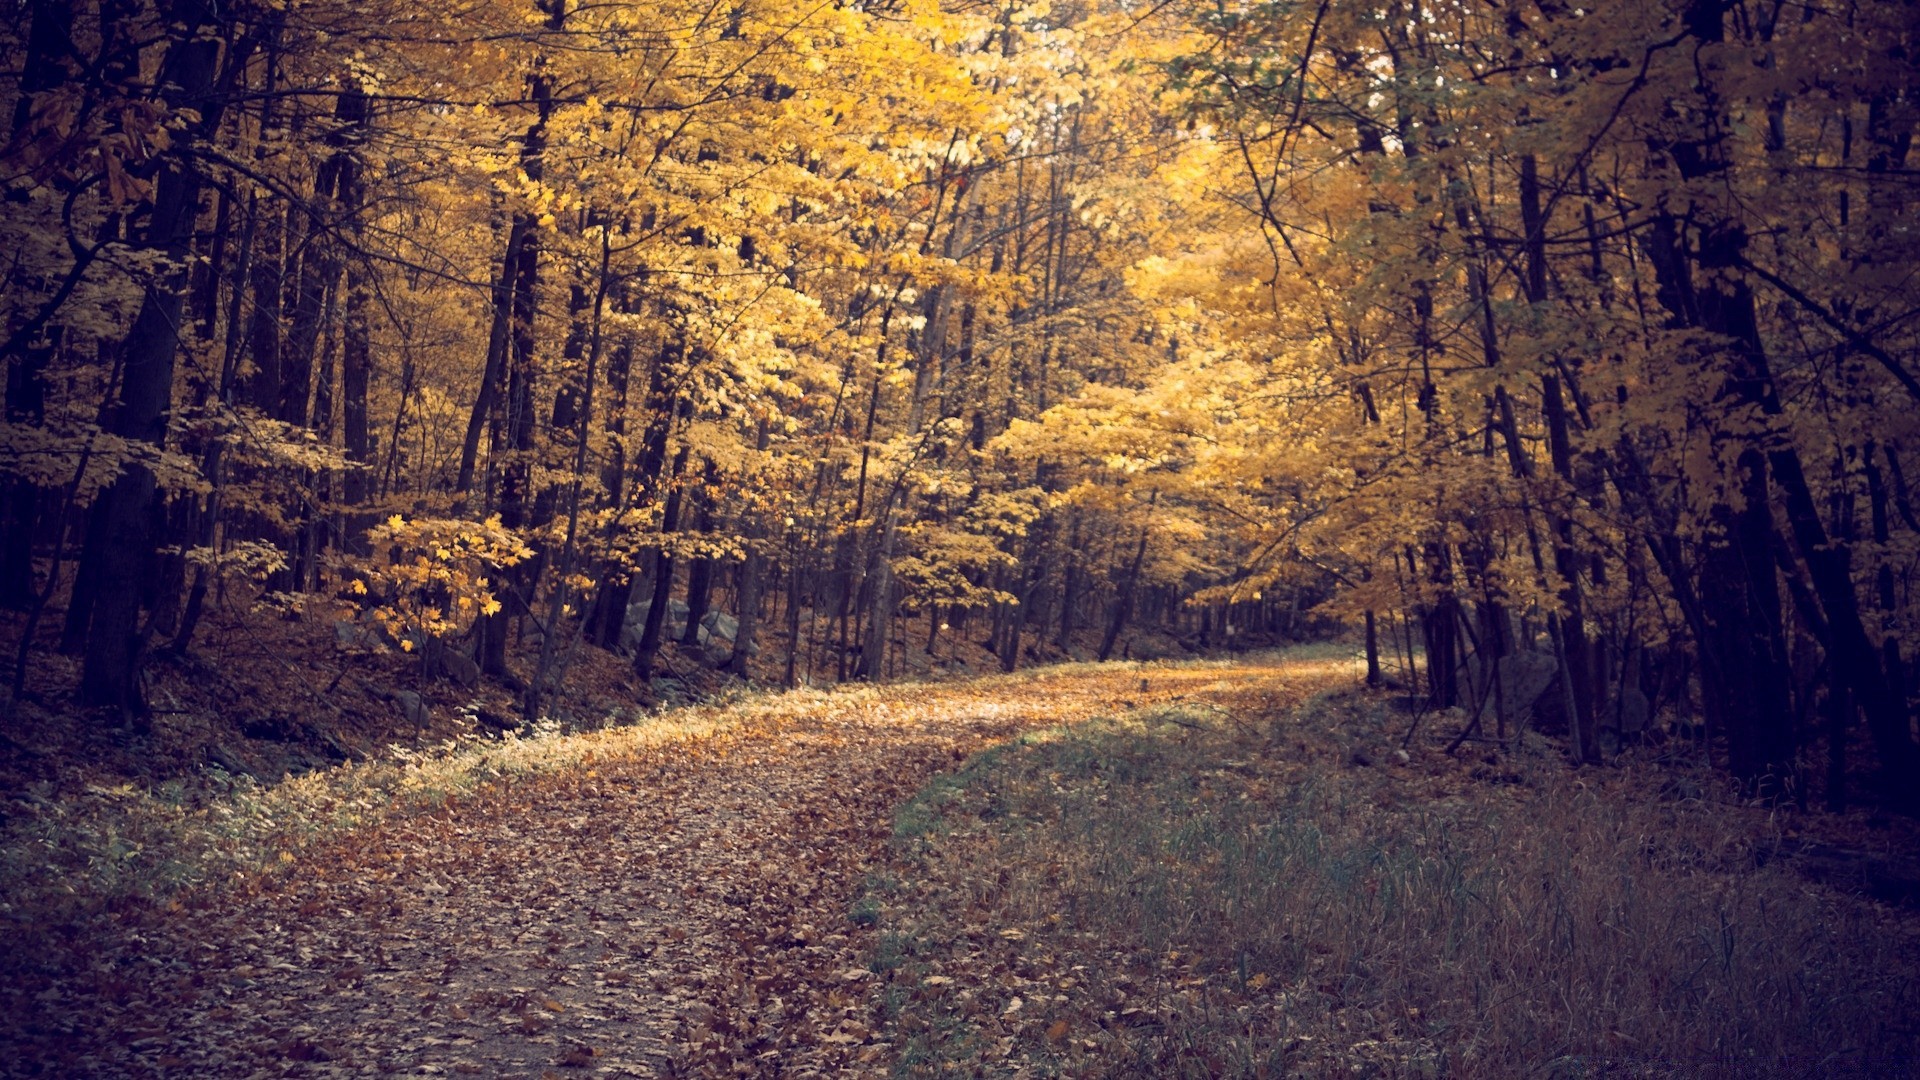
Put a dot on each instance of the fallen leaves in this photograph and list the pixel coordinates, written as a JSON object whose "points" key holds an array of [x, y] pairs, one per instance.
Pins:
{"points": [[682, 904]]}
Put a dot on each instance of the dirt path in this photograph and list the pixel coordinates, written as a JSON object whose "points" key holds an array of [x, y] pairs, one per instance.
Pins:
{"points": [[680, 910]]}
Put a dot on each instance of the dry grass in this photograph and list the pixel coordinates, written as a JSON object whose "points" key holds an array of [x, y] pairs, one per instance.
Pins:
{"points": [[1263, 891], [73, 853], [108, 847]]}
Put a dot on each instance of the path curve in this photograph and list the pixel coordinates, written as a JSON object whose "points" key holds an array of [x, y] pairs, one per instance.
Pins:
{"points": [[683, 909]]}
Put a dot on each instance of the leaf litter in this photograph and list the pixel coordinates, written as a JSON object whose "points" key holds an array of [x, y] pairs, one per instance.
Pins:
{"points": [[657, 907]]}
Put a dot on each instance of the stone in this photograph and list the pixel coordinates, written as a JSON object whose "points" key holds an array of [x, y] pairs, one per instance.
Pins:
{"points": [[334, 746], [1632, 711], [492, 723], [413, 707], [1529, 680], [352, 635], [269, 728], [227, 761], [1607, 741], [720, 625], [1525, 678], [459, 667], [671, 630]]}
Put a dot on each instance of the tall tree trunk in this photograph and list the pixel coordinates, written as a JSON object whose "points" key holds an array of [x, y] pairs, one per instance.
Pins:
{"points": [[651, 634], [46, 66], [125, 511], [700, 569], [1123, 601], [662, 402], [752, 580], [1739, 586]]}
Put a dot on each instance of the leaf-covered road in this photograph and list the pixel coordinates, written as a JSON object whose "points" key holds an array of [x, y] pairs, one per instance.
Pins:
{"points": [[677, 908]]}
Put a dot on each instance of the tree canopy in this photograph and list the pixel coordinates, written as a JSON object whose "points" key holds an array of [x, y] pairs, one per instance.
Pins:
{"points": [[1571, 350]]}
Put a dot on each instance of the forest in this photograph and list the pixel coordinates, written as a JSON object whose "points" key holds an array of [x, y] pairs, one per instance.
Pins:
{"points": [[1510, 389]]}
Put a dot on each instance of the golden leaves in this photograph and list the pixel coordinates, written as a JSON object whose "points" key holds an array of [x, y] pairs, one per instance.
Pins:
{"points": [[431, 577]]}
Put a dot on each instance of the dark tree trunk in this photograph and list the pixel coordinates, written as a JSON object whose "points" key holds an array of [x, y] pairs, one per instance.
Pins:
{"points": [[651, 634], [752, 579], [1744, 644], [46, 66], [660, 404], [125, 511], [1070, 586], [700, 570], [1123, 602]]}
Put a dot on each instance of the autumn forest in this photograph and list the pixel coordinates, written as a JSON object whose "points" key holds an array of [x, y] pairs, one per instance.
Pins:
{"points": [[490, 370]]}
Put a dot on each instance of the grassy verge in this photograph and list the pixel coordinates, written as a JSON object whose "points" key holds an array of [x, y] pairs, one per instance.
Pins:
{"points": [[100, 851], [107, 849], [1187, 891]]}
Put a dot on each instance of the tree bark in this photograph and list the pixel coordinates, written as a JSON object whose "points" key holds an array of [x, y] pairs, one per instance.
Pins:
{"points": [[125, 511]]}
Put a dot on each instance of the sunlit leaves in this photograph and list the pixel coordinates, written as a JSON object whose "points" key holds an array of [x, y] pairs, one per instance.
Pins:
{"points": [[433, 577]]}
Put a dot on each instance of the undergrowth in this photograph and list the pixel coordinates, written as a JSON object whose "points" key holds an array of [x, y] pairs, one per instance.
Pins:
{"points": [[1189, 891], [104, 849], [112, 847]]}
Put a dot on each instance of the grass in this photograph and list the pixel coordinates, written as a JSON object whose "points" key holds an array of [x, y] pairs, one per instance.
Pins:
{"points": [[1189, 891], [99, 851], [106, 849]]}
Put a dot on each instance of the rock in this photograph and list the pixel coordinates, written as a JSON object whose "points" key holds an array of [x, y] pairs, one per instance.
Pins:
{"points": [[268, 728], [492, 723], [1529, 679], [720, 625], [335, 747], [352, 635], [227, 761], [459, 667], [672, 629], [1607, 741], [1525, 678], [413, 707], [631, 629], [671, 691], [1632, 712]]}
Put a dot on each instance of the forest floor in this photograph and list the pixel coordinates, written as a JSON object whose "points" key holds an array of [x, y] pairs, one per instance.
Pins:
{"points": [[1215, 868]]}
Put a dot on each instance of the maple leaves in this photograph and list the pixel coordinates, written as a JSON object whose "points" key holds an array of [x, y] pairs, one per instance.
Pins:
{"points": [[432, 577], [1489, 279], [1003, 308], [770, 279]]}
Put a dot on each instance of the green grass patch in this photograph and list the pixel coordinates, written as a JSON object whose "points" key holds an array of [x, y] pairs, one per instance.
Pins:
{"points": [[1179, 891]]}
